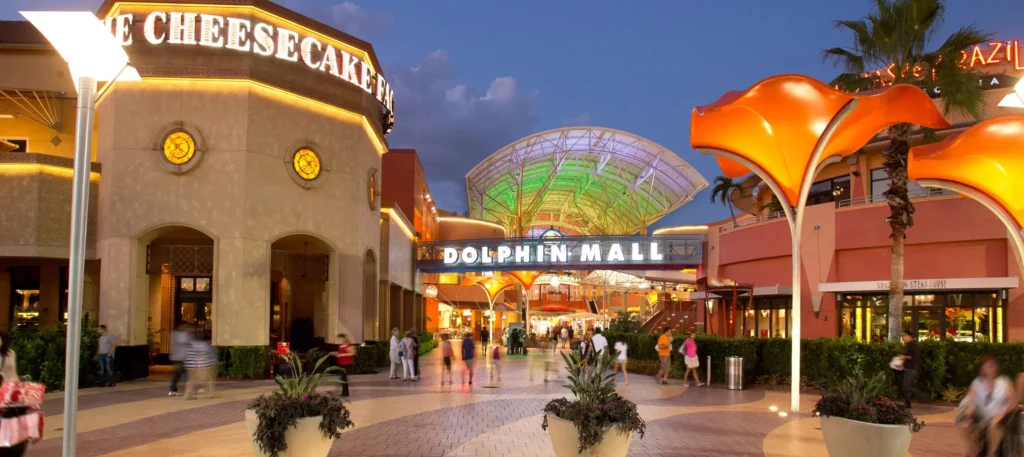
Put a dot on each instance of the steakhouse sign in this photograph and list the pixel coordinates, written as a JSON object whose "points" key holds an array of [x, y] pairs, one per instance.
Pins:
{"points": [[161, 28]]}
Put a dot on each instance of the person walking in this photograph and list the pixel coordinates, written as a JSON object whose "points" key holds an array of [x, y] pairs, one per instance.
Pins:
{"points": [[572, 334], [8, 361], [415, 354], [599, 342], [496, 363], [485, 337], [396, 354], [181, 339], [201, 364], [468, 351], [105, 354], [982, 415], [346, 356], [408, 345], [664, 354], [911, 365], [448, 354], [689, 351], [621, 360], [565, 336]]}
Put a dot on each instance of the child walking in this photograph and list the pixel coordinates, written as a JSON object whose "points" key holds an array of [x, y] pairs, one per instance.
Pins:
{"points": [[449, 354], [496, 363]]}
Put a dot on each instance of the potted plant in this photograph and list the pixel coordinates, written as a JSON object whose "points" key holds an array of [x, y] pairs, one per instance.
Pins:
{"points": [[857, 420], [598, 422], [296, 420]]}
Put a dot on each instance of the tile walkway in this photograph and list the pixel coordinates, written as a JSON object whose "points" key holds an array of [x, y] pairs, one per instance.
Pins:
{"points": [[500, 419]]}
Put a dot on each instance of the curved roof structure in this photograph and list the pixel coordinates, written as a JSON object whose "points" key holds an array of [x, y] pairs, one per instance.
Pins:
{"points": [[581, 181]]}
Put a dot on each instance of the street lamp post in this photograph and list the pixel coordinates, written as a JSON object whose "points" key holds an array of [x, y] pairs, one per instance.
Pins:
{"points": [[92, 55]]}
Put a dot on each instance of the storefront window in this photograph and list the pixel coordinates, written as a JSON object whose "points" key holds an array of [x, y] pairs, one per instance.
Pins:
{"points": [[768, 318], [957, 316]]}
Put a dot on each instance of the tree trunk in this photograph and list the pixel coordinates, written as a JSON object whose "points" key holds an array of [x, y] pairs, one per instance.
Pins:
{"points": [[732, 213], [901, 218]]}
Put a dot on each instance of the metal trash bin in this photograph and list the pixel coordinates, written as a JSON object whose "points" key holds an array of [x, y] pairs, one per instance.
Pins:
{"points": [[734, 373]]}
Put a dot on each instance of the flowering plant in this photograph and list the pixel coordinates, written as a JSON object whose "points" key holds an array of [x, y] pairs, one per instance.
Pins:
{"points": [[597, 407], [860, 399], [296, 399]]}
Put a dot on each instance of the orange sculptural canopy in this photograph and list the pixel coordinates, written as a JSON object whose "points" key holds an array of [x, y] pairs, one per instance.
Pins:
{"points": [[777, 123], [987, 158]]}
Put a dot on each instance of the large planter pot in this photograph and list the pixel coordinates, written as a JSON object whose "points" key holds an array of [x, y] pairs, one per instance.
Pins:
{"points": [[850, 438], [304, 440], [566, 441]]}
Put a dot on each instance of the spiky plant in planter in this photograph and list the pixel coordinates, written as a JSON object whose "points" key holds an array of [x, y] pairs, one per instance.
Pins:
{"points": [[296, 399], [857, 420], [597, 408]]}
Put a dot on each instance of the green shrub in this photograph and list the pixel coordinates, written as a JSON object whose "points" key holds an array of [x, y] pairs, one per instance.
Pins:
{"points": [[41, 355], [247, 362], [383, 353], [427, 346], [826, 362], [366, 359]]}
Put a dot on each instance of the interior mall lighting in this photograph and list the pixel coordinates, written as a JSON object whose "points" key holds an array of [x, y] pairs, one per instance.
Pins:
{"points": [[555, 282], [92, 54], [1014, 99]]}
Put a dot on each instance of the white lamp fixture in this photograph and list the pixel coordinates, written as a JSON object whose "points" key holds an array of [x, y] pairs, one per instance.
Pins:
{"points": [[92, 54], [555, 282], [1014, 99]]}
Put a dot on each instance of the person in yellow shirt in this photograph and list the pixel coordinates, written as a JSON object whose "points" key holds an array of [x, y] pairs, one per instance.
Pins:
{"points": [[665, 355]]}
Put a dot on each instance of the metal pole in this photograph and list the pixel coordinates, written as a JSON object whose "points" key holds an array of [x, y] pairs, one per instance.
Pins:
{"points": [[76, 260], [709, 371]]}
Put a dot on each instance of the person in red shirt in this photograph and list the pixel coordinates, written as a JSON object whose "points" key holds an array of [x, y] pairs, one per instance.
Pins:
{"points": [[346, 356]]}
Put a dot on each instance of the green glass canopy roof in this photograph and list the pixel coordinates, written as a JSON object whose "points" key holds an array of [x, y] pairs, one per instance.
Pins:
{"points": [[581, 181]]}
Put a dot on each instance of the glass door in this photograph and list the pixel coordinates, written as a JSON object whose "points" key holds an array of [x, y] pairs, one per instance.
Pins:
{"points": [[193, 304]]}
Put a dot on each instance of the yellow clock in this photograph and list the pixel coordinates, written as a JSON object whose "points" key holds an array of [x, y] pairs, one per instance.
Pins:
{"points": [[306, 164], [179, 148]]}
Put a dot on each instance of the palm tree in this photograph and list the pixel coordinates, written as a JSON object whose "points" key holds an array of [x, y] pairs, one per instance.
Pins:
{"points": [[720, 193], [895, 37]]}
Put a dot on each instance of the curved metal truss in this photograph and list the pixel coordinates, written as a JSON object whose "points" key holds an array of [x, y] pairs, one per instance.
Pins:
{"points": [[582, 181]]}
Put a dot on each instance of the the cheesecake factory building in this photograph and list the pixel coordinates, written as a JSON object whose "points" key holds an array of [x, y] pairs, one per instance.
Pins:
{"points": [[236, 187]]}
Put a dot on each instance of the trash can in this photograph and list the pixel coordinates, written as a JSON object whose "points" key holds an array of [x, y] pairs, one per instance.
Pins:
{"points": [[734, 373]]}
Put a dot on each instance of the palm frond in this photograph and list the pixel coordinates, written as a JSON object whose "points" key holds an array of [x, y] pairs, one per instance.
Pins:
{"points": [[849, 61]]}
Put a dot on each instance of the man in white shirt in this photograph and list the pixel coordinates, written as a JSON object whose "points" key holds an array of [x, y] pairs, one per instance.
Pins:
{"points": [[599, 341]]}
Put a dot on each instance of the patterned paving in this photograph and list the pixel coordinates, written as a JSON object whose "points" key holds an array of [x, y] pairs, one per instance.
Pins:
{"points": [[428, 419]]}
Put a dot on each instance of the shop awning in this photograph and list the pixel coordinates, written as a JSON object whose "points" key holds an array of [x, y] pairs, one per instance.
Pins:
{"points": [[930, 285], [765, 291]]}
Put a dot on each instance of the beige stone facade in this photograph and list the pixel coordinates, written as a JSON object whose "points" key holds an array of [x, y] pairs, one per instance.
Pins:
{"points": [[234, 240]]}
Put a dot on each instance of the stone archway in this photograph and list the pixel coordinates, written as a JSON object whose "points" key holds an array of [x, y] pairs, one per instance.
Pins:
{"points": [[174, 285], [300, 274], [371, 318]]}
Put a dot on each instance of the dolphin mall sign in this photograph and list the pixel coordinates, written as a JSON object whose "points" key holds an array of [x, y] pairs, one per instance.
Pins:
{"points": [[582, 253]]}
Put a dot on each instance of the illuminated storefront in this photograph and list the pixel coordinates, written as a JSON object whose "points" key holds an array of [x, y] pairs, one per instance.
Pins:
{"points": [[220, 197]]}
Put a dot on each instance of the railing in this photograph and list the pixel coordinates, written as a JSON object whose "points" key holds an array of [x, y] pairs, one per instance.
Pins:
{"points": [[923, 192], [752, 221], [649, 312]]}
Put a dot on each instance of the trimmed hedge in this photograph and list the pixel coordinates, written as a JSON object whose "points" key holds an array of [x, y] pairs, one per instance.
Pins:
{"points": [[41, 355], [827, 361], [243, 362]]}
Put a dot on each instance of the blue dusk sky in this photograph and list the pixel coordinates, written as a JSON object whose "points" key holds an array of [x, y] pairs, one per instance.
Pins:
{"points": [[473, 76]]}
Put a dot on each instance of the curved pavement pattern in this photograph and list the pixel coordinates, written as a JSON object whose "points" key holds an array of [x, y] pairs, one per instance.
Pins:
{"points": [[491, 418]]}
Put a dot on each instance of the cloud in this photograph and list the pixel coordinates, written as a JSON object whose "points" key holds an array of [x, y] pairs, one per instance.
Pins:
{"points": [[454, 125], [581, 119], [346, 16]]}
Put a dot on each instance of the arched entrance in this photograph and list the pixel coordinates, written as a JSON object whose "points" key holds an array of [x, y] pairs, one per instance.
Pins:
{"points": [[176, 281], [299, 269], [371, 319]]}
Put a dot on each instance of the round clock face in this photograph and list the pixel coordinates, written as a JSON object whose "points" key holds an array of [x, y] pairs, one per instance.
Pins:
{"points": [[179, 148], [306, 164]]}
